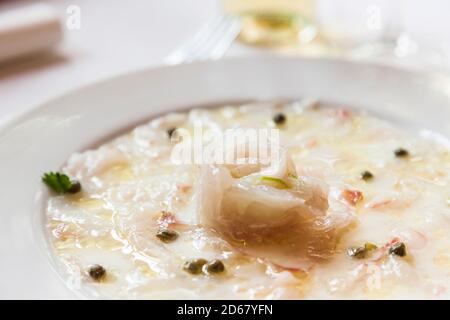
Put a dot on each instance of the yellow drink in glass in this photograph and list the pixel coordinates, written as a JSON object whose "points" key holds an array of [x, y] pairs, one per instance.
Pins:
{"points": [[274, 22]]}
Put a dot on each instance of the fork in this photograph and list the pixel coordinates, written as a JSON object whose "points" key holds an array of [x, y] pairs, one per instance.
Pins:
{"points": [[211, 42]]}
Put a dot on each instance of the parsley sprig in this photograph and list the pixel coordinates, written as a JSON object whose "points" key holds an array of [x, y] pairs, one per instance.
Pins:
{"points": [[60, 183]]}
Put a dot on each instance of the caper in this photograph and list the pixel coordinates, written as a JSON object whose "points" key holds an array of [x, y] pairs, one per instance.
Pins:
{"points": [[75, 187], [279, 118], [167, 235], [97, 272], [366, 175], [401, 153], [357, 252], [214, 267], [370, 246], [194, 266], [399, 249]]}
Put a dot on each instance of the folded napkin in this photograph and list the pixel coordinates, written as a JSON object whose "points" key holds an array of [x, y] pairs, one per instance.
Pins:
{"points": [[28, 30]]}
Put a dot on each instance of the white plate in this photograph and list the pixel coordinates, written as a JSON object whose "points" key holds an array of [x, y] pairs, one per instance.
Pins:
{"points": [[43, 139]]}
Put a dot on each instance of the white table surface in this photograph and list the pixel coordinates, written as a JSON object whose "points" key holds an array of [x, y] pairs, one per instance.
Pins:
{"points": [[117, 36]]}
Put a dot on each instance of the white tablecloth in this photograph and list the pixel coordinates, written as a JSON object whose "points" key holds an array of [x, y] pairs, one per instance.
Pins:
{"points": [[118, 35]]}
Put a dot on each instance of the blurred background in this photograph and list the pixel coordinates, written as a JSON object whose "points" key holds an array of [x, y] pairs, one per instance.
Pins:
{"points": [[51, 46]]}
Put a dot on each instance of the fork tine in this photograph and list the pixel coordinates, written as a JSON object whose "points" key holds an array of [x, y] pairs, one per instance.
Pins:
{"points": [[214, 34], [221, 46], [202, 36], [217, 39], [206, 32], [211, 41]]}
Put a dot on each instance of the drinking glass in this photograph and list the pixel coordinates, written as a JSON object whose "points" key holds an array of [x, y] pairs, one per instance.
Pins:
{"points": [[274, 22]]}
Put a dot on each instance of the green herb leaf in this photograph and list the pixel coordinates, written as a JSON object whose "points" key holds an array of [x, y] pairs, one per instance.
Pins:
{"points": [[60, 183], [275, 182]]}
